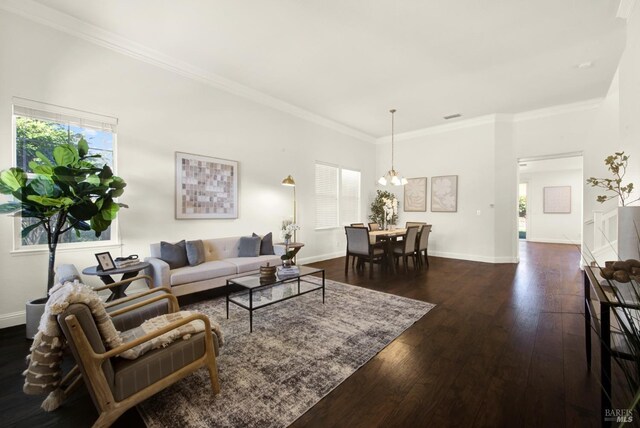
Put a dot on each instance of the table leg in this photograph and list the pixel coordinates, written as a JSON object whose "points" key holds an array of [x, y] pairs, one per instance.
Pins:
{"points": [[605, 363], [251, 311], [323, 287], [228, 299], [587, 317]]}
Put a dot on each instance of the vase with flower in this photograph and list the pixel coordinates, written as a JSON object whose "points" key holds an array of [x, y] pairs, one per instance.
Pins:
{"points": [[288, 229]]}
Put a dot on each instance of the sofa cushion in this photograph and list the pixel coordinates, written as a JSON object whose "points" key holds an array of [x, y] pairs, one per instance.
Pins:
{"points": [[246, 264], [174, 254], [266, 244], [249, 246], [207, 270], [195, 252]]}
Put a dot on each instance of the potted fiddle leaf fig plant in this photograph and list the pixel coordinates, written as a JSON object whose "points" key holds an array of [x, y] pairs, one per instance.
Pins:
{"points": [[628, 216], [72, 191]]}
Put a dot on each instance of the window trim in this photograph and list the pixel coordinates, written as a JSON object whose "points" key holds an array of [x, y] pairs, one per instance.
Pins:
{"points": [[17, 247]]}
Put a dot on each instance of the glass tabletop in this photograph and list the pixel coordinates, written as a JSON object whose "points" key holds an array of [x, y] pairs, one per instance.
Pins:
{"points": [[254, 281]]}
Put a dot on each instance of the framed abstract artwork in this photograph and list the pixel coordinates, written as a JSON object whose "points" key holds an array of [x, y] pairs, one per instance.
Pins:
{"points": [[206, 187], [444, 194], [415, 194], [557, 200]]}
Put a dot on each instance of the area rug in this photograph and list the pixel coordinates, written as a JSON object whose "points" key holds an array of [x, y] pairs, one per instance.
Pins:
{"points": [[299, 351]]}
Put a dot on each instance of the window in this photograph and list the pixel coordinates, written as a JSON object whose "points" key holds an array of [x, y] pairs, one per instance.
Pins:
{"points": [[337, 196], [326, 196], [40, 128], [350, 197]]}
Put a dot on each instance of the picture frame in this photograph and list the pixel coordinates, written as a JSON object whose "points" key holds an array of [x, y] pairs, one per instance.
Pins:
{"points": [[556, 200], [444, 194], [105, 261], [206, 187], [415, 195]]}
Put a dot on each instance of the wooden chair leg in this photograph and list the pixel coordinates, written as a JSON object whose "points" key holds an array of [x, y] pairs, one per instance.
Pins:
{"points": [[346, 265], [370, 267]]}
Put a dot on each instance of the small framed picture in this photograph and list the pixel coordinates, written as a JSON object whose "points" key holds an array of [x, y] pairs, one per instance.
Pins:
{"points": [[105, 262]]}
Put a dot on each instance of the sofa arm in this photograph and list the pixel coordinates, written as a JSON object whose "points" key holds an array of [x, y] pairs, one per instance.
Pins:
{"points": [[159, 271]]}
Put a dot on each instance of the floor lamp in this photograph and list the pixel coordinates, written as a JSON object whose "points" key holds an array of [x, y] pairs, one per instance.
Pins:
{"points": [[290, 182]]}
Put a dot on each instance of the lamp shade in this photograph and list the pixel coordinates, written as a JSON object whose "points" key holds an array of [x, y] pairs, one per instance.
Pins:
{"points": [[288, 181]]}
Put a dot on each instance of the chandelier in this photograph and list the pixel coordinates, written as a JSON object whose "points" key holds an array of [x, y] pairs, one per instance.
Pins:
{"points": [[392, 176]]}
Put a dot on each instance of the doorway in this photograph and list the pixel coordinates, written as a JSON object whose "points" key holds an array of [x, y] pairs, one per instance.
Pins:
{"points": [[522, 210]]}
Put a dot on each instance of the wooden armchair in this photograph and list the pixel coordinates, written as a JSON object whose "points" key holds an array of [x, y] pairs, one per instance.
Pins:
{"points": [[116, 384]]}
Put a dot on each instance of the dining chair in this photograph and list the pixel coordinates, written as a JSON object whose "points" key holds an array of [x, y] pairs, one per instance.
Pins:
{"points": [[359, 246], [407, 247], [374, 226], [358, 225], [422, 244], [416, 223]]}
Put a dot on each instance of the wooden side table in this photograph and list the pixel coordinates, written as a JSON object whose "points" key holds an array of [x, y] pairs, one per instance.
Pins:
{"points": [[127, 272], [295, 246]]}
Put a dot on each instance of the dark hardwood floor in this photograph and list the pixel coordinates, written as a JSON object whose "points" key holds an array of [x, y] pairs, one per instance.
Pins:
{"points": [[503, 347]]}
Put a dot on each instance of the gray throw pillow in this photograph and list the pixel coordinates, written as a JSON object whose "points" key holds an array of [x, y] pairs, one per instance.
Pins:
{"points": [[249, 246], [195, 252], [266, 245], [174, 254]]}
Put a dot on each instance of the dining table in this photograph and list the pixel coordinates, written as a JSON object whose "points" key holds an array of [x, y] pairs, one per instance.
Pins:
{"points": [[387, 238]]}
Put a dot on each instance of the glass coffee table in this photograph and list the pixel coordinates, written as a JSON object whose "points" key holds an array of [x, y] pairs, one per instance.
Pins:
{"points": [[257, 293]]}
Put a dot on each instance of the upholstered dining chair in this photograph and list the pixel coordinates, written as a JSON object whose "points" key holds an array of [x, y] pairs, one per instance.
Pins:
{"points": [[416, 223], [423, 244], [358, 225], [359, 247], [407, 247], [374, 226], [116, 384]]}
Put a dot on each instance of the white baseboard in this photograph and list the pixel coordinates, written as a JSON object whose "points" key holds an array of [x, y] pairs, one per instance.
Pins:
{"points": [[553, 241], [12, 318], [321, 257], [473, 257]]}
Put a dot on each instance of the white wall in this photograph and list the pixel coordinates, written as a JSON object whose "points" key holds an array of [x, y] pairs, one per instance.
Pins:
{"points": [[555, 228], [469, 154], [159, 113]]}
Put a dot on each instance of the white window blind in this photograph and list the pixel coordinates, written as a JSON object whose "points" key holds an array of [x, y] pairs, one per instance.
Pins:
{"points": [[326, 196], [349, 197]]}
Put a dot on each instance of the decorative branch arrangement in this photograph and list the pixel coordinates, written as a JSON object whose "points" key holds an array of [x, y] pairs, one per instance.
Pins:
{"points": [[617, 164]]}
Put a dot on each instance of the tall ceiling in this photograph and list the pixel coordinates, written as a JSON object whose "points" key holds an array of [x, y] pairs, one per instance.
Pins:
{"points": [[352, 60]]}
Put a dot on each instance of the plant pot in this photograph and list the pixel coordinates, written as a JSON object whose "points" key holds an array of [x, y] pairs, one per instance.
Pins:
{"points": [[34, 311], [628, 233]]}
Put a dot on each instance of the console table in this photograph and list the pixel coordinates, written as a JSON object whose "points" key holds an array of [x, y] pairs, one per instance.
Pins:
{"points": [[599, 304]]}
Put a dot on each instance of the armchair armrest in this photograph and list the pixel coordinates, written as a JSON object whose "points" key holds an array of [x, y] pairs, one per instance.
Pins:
{"points": [[173, 302], [71, 320], [159, 271]]}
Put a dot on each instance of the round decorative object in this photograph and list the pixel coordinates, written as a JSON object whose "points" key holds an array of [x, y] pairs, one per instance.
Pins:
{"points": [[621, 271], [268, 272]]}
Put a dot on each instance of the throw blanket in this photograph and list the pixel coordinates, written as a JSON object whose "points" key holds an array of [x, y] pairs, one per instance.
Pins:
{"points": [[184, 331], [44, 372]]}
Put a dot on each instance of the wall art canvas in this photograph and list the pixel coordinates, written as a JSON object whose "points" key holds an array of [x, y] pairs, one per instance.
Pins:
{"points": [[206, 187], [444, 194], [415, 194], [557, 200]]}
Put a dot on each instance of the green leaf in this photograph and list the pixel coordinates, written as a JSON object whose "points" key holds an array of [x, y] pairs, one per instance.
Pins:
{"points": [[65, 155], [83, 147], [116, 193], [10, 207], [93, 179], [84, 210], [99, 224], [118, 183], [106, 173], [109, 210], [14, 178], [50, 202], [43, 158], [27, 230], [42, 185], [40, 169]]}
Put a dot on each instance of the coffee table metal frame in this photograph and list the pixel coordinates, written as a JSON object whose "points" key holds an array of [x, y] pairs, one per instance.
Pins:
{"points": [[251, 284]]}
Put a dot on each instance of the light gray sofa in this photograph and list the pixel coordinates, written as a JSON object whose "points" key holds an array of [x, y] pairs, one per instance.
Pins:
{"points": [[221, 263]]}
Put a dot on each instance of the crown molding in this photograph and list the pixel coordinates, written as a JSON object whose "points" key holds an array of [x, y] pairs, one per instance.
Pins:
{"points": [[439, 129], [496, 118], [558, 110], [52, 18]]}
